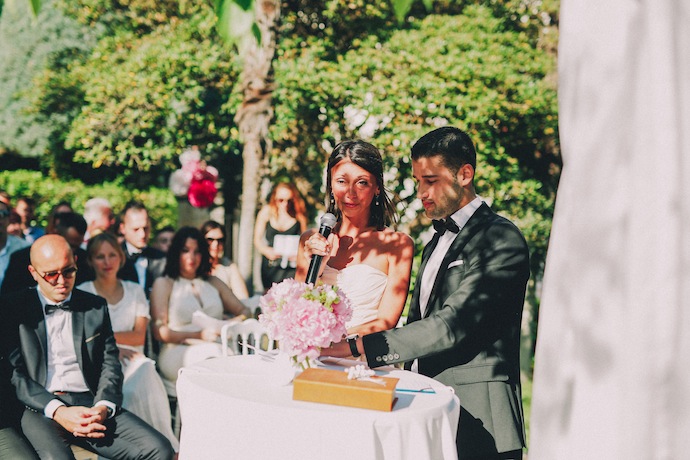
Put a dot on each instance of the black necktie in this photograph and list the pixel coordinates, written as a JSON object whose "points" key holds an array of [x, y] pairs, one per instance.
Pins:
{"points": [[52, 308], [445, 224]]}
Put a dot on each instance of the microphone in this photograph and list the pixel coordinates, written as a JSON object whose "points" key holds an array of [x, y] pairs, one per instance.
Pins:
{"points": [[328, 221]]}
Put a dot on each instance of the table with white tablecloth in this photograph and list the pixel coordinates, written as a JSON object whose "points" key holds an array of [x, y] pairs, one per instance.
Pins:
{"points": [[239, 407]]}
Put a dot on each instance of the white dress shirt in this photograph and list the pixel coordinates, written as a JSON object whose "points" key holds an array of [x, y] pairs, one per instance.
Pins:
{"points": [[63, 373], [141, 264], [460, 217]]}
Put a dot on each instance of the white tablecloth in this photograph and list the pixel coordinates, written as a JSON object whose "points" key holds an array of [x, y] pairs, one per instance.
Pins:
{"points": [[234, 407]]}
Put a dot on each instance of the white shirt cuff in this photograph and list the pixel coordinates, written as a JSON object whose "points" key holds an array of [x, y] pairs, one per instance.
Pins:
{"points": [[108, 404], [51, 407]]}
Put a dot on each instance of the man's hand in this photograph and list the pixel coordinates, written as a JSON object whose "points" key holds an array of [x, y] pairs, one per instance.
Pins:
{"points": [[82, 421]]}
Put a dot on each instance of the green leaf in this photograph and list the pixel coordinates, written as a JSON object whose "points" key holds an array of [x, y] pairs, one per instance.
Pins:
{"points": [[234, 21], [428, 4], [401, 8], [36, 6]]}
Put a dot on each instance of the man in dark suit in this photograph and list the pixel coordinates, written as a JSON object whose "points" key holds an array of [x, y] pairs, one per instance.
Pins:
{"points": [[463, 328], [65, 366], [69, 225], [144, 263]]}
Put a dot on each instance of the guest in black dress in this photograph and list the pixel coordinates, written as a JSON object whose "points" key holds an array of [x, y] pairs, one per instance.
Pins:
{"points": [[284, 215]]}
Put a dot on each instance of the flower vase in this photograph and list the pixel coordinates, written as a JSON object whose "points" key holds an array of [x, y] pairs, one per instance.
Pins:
{"points": [[287, 368]]}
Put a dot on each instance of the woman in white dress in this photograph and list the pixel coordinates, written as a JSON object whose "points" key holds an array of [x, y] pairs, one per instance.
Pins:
{"points": [[187, 305], [143, 391], [370, 262]]}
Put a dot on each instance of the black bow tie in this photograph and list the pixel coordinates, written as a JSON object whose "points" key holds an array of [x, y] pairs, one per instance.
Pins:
{"points": [[135, 255], [445, 224], [52, 308]]}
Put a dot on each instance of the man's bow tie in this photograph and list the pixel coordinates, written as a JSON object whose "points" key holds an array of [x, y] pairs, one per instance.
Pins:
{"points": [[135, 255], [53, 308], [445, 224]]}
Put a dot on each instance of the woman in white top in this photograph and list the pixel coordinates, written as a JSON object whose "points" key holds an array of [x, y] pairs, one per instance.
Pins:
{"points": [[370, 262], [187, 305], [143, 391], [221, 267]]}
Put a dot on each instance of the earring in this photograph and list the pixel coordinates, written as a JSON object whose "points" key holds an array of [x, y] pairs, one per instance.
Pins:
{"points": [[376, 200]]}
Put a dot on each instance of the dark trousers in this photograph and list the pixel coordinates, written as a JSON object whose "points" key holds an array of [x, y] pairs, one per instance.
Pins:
{"points": [[126, 436], [512, 455], [14, 446]]}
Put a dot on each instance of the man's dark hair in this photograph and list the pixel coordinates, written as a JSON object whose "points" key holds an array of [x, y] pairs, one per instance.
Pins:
{"points": [[66, 220], [452, 144]]}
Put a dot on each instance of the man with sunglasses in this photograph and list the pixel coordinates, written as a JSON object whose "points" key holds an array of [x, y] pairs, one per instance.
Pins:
{"points": [[65, 367]]}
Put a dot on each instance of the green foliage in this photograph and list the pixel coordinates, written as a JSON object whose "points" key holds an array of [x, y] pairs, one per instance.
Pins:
{"points": [[148, 98], [471, 72], [48, 192], [28, 46]]}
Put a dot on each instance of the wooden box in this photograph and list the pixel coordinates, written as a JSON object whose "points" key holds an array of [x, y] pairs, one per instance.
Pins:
{"points": [[333, 387]]}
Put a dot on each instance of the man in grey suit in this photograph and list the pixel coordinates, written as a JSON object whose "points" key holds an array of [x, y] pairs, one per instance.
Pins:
{"points": [[463, 328], [65, 367]]}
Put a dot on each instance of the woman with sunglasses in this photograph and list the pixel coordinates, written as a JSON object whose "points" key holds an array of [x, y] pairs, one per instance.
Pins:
{"points": [[143, 391], [284, 215], [221, 267]]}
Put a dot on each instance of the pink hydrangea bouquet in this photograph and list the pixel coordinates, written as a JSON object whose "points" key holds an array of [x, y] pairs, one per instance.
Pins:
{"points": [[304, 318]]}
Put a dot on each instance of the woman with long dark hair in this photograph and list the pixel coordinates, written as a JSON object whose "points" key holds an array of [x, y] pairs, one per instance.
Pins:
{"points": [[186, 303], [369, 261]]}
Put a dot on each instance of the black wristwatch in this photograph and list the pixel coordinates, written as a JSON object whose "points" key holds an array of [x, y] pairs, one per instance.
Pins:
{"points": [[352, 341]]}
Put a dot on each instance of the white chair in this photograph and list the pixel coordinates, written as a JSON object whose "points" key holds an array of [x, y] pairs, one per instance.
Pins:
{"points": [[253, 304], [249, 331]]}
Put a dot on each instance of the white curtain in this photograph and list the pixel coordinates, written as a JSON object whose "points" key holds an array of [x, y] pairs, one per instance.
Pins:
{"points": [[612, 367]]}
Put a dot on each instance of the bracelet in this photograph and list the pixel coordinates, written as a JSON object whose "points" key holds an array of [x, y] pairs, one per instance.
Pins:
{"points": [[352, 341]]}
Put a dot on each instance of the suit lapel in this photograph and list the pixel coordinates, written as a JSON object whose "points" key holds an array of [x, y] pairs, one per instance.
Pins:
{"points": [[78, 327], [40, 363], [415, 310], [476, 222]]}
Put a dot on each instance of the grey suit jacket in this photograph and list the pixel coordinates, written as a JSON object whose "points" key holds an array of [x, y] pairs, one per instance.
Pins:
{"points": [[469, 337], [24, 343]]}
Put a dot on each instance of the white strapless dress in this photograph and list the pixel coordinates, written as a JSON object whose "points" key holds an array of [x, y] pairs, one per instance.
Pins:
{"points": [[363, 285]]}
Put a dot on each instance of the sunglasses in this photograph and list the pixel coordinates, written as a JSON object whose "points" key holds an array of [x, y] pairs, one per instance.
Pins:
{"points": [[53, 277], [217, 240]]}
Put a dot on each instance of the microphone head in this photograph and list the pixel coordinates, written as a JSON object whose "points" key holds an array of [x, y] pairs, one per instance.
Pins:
{"points": [[328, 220]]}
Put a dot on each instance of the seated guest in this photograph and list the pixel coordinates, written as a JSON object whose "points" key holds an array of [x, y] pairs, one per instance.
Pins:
{"points": [[12, 443], [9, 244], [72, 389], [143, 391], [25, 207], [144, 263], [221, 267], [186, 288], [69, 225], [14, 227], [164, 238], [98, 214]]}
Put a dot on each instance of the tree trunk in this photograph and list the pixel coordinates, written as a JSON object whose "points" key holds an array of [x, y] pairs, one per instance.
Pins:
{"points": [[253, 119]]}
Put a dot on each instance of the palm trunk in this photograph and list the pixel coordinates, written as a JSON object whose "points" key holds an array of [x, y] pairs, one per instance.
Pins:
{"points": [[253, 119]]}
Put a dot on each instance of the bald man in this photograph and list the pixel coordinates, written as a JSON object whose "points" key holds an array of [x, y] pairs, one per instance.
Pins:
{"points": [[65, 367]]}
